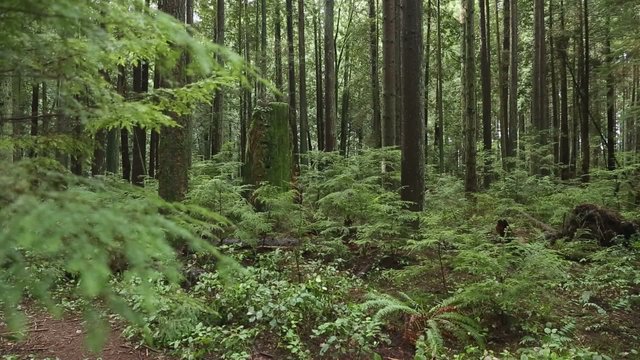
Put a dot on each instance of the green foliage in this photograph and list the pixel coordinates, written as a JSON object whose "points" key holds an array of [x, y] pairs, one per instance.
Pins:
{"points": [[266, 299], [429, 323], [56, 226], [355, 192]]}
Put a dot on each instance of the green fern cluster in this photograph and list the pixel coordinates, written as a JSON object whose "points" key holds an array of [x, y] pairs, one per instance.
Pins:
{"points": [[430, 323]]}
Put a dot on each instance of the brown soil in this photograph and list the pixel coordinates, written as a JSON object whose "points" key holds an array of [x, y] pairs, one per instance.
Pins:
{"points": [[64, 339]]}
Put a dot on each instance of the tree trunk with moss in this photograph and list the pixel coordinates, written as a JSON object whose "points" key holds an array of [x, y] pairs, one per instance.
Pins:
{"points": [[269, 153]]}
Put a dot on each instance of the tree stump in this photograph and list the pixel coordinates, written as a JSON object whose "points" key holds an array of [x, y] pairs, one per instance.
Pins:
{"points": [[596, 223], [269, 153]]}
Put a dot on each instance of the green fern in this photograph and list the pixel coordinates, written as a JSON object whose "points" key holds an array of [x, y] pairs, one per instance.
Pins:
{"points": [[431, 322]]}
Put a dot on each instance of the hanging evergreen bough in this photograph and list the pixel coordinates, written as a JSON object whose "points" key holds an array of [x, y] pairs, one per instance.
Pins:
{"points": [[269, 151]]}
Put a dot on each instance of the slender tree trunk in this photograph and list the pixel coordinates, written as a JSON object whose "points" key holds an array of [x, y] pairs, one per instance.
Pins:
{"points": [[399, 122], [124, 133], [507, 150], [139, 150], [539, 96], [278, 49], [412, 167], [319, 86], [330, 79], [555, 100], [302, 63], [261, 48], [173, 149], [375, 84], [565, 171], [45, 110], [17, 109], [485, 75], [468, 97], [218, 101], [513, 82], [611, 101], [344, 120], [292, 85], [35, 99], [427, 81], [390, 72], [584, 126], [439, 129]]}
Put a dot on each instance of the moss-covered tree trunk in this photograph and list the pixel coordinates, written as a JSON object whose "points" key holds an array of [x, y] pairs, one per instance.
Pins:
{"points": [[269, 153]]}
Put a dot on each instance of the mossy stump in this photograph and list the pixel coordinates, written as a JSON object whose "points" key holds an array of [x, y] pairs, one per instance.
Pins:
{"points": [[269, 153]]}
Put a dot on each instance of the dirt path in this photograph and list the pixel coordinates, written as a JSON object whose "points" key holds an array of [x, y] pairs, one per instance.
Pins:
{"points": [[64, 339]]}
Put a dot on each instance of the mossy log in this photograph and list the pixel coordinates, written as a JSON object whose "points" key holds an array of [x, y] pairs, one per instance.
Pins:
{"points": [[269, 153]]}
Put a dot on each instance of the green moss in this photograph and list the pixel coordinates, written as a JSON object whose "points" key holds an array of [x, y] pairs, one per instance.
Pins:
{"points": [[269, 149]]}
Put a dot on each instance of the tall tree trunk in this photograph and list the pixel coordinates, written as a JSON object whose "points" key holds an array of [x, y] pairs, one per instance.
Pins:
{"points": [[399, 122], [390, 72], [247, 93], [17, 110], [565, 171], [584, 126], [539, 95], [218, 101], [292, 85], [344, 120], [485, 75], [261, 54], [513, 82], [427, 81], [555, 100], [139, 150], [302, 64], [330, 79], [412, 168], [278, 49], [173, 149], [611, 101], [505, 59], [468, 97], [319, 86], [35, 99], [124, 133], [439, 129], [375, 84]]}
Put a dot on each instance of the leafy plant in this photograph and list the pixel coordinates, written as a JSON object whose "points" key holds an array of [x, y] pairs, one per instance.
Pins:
{"points": [[427, 326]]}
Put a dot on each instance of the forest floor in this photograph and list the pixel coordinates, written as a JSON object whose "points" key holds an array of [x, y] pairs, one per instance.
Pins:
{"points": [[51, 338]]}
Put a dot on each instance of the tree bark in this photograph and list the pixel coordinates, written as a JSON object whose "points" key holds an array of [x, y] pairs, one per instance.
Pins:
{"points": [[584, 126], [218, 101], [292, 84], [319, 86], [468, 97], [439, 129], [564, 154], [539, 95], [344, 120], [278, 50], [505, 61], [513, 83], [330, 79], [611, 100], [390, 72], [302, 64], [412, 166], [485, 76], [375, 84], [138, 165], [173, 149]]}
